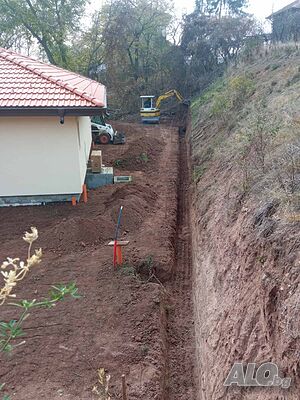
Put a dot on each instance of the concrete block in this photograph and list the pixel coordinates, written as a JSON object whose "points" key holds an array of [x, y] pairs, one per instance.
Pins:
{"points": [[96, 180]]}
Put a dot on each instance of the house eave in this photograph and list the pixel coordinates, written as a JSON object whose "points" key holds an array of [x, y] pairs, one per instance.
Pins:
{"points": [[283, 11], [50, 111]]}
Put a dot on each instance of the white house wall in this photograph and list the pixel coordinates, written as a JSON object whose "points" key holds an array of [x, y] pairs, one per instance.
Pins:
{"points": [[40, 156], [85, 142]]}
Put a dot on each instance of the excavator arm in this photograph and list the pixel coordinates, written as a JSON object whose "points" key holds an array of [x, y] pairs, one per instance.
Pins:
{"points": [[168, 94]]}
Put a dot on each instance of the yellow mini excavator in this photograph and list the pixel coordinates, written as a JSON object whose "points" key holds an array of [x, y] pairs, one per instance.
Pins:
{"points": [[150, 109]]}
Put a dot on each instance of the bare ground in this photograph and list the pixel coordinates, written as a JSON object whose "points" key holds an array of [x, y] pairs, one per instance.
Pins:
{"points": [[121, 321]]}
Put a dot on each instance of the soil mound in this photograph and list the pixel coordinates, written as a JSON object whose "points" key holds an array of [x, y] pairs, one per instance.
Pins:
{"points": [[137, 200], [75, 233], [138, 157]]}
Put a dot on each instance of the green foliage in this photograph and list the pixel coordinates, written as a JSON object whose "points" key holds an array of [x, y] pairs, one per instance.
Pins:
{"points": [[132, 47], [221, 6], [233, 95], [252, 46], [220, 105], [146, 269], [210, 44], [199, 171], [144, 157], [241, 87], [127, 269], [295, 79], [5, 396], [50, 23], [149, 263], [14, 271], [12, 330], [274, 67], [135, 49], [118, 163], [208, 94], [143, 271]]}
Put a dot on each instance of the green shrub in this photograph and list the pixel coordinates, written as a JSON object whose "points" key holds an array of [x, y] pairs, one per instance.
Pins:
{"points": [[144, 157], [118, 163], [240, 88], [220, 104], [233, 95], [198, 172], [207, 96]]}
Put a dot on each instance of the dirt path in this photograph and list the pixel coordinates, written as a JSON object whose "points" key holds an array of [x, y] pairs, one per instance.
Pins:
{"points": [[180, 323]]}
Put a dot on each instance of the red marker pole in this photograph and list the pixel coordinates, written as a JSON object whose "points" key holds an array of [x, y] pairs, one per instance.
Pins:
{"points": [[116, 236]]}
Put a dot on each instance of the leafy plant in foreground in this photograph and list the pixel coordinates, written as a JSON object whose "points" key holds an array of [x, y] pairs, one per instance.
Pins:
{"points": [[14, 271]]}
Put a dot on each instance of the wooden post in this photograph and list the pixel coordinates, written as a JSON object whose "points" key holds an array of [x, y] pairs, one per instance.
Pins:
{"points": [[124, 389], [116, 237], [84, 193], [119, 258]]}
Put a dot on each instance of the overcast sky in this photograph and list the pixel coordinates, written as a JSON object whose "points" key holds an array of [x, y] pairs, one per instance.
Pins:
{"points": [[260, 8]]}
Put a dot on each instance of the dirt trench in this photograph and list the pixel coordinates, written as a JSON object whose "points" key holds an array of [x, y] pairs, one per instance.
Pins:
{"points": [[180, 323]]}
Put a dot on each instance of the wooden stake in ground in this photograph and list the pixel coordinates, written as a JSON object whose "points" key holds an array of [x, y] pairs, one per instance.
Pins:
{"points": [[84, 194], [116, 236], [124, 388]]}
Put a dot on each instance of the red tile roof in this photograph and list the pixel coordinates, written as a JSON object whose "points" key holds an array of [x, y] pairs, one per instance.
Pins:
{"points": [[26, 82]]}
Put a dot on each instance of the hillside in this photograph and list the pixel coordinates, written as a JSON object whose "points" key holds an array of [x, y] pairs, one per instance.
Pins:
{"points": [[246, 217]]}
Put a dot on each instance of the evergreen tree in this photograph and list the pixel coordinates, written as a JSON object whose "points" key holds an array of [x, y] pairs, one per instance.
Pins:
{"points": [[232, 7]]}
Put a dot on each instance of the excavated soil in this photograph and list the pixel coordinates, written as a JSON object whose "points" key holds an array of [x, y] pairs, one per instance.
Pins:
{"points": [[246, 282], [121, 323]]}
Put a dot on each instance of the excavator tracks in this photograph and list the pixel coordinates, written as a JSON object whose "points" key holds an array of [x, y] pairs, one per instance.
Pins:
{"points": [[180, 382]]}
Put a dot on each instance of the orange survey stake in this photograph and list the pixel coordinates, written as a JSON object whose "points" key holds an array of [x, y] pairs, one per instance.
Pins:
{"points": [[84, 194]]}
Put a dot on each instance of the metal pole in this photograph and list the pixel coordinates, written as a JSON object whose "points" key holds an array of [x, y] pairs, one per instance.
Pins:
{"points": [[124, 391]]}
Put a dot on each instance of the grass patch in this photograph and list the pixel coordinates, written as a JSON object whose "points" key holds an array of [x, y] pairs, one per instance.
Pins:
{"points": [[225, 95], [144, 157], [127, 270], [208, 95], [199, 171], [234, 95], [118, 163]]}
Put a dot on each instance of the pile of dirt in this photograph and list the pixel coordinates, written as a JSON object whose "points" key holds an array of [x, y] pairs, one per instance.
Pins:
{"points": [[76, 233], [143, 146], [139, 156], [137, 200]]}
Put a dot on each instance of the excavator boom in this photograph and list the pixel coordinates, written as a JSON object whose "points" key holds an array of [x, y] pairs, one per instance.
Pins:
{"points": [[168, 94]]}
